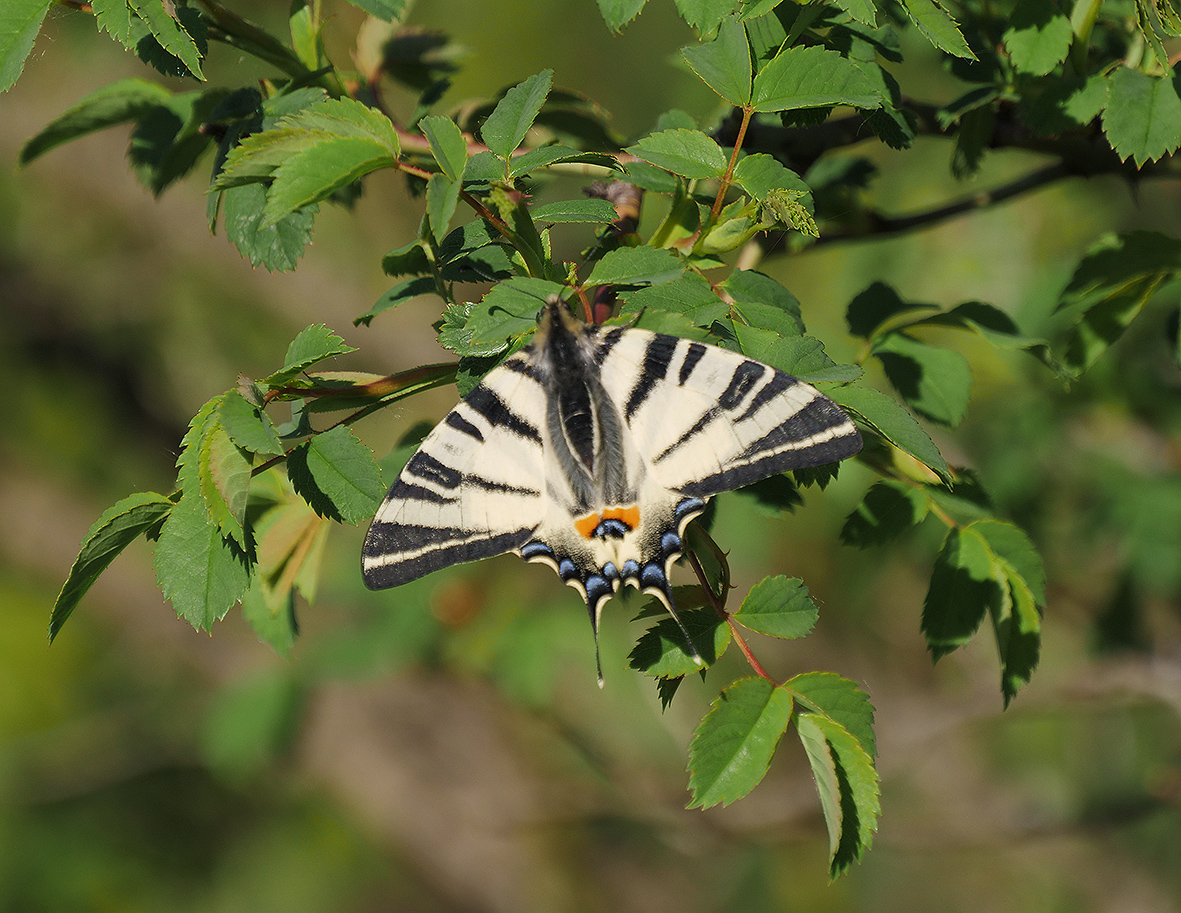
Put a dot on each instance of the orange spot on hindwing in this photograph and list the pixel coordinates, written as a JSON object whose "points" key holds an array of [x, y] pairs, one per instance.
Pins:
{"points": [[612, 523]]}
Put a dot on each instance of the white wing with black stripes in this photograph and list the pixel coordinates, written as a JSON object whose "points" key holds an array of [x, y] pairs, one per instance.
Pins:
{"points": [[590, 451]]}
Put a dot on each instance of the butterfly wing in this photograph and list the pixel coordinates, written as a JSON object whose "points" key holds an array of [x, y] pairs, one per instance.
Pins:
{"points": [[472, 490], [708, 420]]}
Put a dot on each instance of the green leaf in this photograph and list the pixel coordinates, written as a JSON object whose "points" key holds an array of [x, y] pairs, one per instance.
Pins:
{"points": [[117, 528], [860, 11], [224, 472], [598, 211], [724, 63], [505, 128], [691, 296], [118, 103], [636, 266], [313, 344], [170, 137], [1017, 625], [689, 153], [755, 293], [1142, 120], [385, 10], [318, 172], [848, 787], [618, 13], [963, 588], [1038, 37], [1111, 285], [200, 571], [279, 629], [408, 260], [888, 509], [399, 294], [275, 246], [1057, 104], [1011, 544], [115, 18], [555, 154], [812, 77], [732, 748], [346, 477], [760, 175], [248, 426], [169, 33], [704, 15], [938, 27], [803, 357], [661, 651], [839, 699], [780, 607], [442, 196], [936, 382], [889, 419], [509, 308], [447, 144], [20, 21]]}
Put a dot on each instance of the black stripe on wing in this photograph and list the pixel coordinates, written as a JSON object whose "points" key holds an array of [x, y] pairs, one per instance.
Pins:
{"points": [[819, 433], [431, 548]]}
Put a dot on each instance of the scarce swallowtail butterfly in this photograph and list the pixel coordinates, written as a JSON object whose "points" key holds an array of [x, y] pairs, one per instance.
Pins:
{"points": [[590, 450]]}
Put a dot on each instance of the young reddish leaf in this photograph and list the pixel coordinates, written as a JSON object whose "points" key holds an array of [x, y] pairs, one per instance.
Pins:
{"points": [[733, 746], [780, 607], [112, 532]]}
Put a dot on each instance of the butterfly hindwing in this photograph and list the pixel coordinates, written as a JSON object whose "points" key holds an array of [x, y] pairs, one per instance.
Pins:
{"points": [[473, 489], [709, 420]]}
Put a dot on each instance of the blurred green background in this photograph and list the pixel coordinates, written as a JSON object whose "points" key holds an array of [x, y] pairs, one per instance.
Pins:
{"points": [[444, 746]]}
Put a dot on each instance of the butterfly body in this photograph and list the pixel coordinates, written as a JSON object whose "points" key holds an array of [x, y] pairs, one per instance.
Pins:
{"points": [[590, 450]]}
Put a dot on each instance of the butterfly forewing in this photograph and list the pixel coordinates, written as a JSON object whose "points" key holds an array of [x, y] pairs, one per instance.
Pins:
{"points": [[473, 489]]}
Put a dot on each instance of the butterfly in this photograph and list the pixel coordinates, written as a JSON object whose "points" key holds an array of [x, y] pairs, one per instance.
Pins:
{"points": [[590, 450]]}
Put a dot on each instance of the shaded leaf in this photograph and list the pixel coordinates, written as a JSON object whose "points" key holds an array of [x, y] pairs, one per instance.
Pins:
{"points": [[888, 509], [1142, 120], [935, 381], [112, 532]]}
